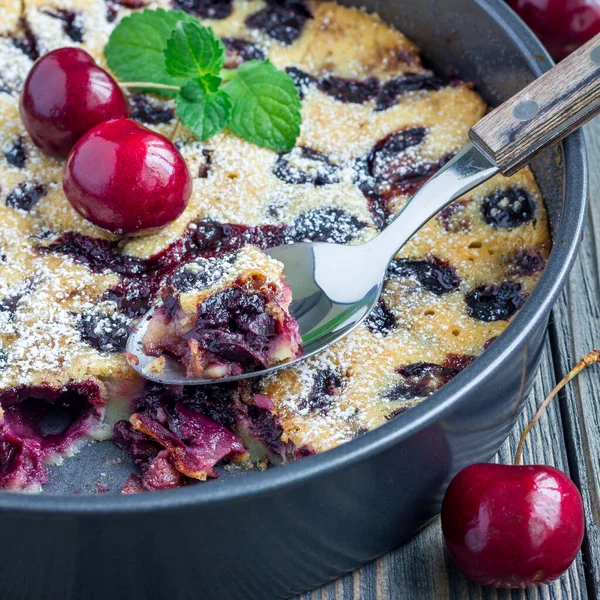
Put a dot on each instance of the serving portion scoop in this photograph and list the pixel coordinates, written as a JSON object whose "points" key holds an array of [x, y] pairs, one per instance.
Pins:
{"points": [[334, 287]]}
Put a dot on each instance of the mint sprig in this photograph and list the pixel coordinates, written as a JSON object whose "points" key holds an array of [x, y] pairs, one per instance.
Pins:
{"points": [[265, 105], [170, 53], [193, 50], [136, 48], [203, 108]]}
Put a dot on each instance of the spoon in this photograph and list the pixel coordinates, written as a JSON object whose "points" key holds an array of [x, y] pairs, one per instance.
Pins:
{"points": [[334, 287]]}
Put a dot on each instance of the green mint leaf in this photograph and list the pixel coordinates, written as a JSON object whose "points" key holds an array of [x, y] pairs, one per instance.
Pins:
{"points": [[135, 49], [193, 50], [266, 106], [203, 108]]}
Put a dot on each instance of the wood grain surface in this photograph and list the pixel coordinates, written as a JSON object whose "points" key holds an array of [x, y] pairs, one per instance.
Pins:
{"points": [[544, 112], [567, 436]]}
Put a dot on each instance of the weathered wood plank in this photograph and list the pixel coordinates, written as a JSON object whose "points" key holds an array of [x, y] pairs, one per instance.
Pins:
{"points": [[421, 570], [575, 329]]}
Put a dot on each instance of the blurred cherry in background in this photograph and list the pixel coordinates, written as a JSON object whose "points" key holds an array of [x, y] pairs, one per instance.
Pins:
{"points": [[561, 25]]}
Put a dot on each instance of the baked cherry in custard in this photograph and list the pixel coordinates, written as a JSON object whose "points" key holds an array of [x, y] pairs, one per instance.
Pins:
{"points": [[126, 178], [66, 94], [224, 316]]}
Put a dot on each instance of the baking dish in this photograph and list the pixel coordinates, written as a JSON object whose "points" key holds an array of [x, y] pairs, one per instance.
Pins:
{"points": [[273, 534]]}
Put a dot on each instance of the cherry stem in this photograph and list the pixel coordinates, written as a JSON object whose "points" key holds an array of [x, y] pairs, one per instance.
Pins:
{"points": [[149, 86], [176, 130], [227, 74], [587, 361]]}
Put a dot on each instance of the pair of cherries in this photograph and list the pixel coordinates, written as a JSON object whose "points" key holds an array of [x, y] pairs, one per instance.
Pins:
{"points": [[119, 175]]}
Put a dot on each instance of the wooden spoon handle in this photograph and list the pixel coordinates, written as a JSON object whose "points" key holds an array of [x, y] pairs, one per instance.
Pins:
{"points": [[547, 110]]}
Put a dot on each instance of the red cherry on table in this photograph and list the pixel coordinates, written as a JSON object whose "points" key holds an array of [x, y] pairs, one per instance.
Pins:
{"points": [[126, 178], [66, 94], [561, 25], [512, 526]]}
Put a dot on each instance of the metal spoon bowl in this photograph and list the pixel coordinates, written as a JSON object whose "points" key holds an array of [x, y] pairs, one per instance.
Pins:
{"points": [[334, 287]]}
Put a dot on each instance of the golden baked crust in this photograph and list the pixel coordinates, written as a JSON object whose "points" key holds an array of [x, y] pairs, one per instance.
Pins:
{"points": [[363, 160]]}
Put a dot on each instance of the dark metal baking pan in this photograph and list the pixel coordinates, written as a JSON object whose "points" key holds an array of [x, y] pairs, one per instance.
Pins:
{"points": [[273, 534]]}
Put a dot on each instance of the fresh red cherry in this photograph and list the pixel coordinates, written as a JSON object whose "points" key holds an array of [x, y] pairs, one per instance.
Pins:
{"points": [[561, 25], [515, 526], [512, 526], [66, 94], [126, 178]]}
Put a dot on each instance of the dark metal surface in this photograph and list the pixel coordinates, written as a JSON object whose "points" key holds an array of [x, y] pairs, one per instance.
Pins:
{"points": [[272, 534]]}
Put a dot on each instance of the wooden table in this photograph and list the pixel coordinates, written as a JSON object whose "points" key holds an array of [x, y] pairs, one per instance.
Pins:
{"points": [[567, 437]]}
